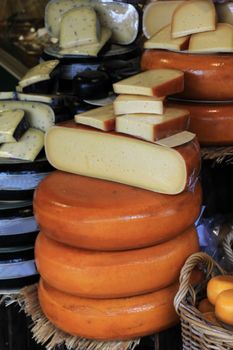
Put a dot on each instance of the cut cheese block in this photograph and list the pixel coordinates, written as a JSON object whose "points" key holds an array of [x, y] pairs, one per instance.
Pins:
{"points": [[101, 215], [90, 49], [86, 272], [153, 127], [156, 15], [205, 306], [200, 71], [193, 16], [27, 148], [39, 115], [163, 40], [102, 118], [38, 73], [127, 104], [109, 319], [225, 12], [13, 125], [224, 307], [156, 82], [79, 26], [217, 285], [123, 159], [219, 40], [212, 123]]}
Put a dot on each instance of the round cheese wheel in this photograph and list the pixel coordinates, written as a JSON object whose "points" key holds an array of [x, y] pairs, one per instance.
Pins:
{"points": [[109, 319], [206, 77], [224, 307], [212, 123], [217, 285], [95, 274], [101, 215]]}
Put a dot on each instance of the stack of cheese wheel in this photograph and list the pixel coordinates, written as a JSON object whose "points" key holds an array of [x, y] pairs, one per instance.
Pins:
{"points": [[192, 36]]}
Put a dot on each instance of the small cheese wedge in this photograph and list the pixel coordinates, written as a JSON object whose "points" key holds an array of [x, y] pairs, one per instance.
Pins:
{"points": [[156, 82], [193, 16], [153, 127], [90, 49], [224, 307], [217, 285], [127, 104], [225, 12], [38, 73], [27, 148], [156, 15], [219, 40], [13, 125], [163, 40], [102, 118], [79, 26], [123, 159]]}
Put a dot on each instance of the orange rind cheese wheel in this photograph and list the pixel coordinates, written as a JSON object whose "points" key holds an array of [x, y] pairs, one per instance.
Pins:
{"points": [[224, 307], [217, 285]]}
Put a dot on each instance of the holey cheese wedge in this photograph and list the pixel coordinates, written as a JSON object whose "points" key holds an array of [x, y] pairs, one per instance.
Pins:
{"points": [[123, 159]]}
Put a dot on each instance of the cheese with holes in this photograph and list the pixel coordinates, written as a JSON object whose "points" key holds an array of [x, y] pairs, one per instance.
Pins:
{"points": [[127, 104], [225, 12], [13, 125], [79, 26], [123, 159], [152, 127], [39, 115], [224, 307], [219, 40], [27, 148], [102, 118], [163, 40], [193, 16], [156, 82], [217, 285], [156, 15], [101, 215], [38, 73]]}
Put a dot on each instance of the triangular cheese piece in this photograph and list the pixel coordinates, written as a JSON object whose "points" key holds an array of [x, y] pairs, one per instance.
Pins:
{"points": [[102, 118]]}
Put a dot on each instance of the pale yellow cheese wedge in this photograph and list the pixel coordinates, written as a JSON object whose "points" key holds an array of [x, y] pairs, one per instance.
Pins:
{"points": [[163, 40], [128, 104], [217, 285], [9, 122], [193, 16], [224, 307], [102, 118], [225, 12], [38, 73], [219, 40]]}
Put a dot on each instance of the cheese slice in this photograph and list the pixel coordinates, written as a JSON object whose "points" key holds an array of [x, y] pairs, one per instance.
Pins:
{"points": [[224, 307], [156, 15], [127, 104], [163, 40], [156, 82], [176, 140], [27, 148], [12, 125], [153, 127], [193, 16], [102, 118], [120, 158], [48, 99], [7, 95], [79, 26], [39, 115], [38, 73], [225, 12], [219, 40], [217, 285], [90, 49]]}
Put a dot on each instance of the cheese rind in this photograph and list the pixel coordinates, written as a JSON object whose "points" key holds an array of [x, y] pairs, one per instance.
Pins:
{"points": [[217, 285], [156, 82], [224, 307], [38, 73], [127, 104], [13, 124], [102, 118], [122, 159]]}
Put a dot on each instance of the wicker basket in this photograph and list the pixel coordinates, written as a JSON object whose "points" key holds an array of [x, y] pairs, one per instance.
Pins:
{"points": [[198, 333], [228, 247]]}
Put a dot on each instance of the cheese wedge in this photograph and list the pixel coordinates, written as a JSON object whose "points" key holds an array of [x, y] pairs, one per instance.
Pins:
{"points": [[27, 148], [48, 99], [127, 104], [91, 49], [217, 285], [156, 82], [156, 15], [163, 40], [224, 307], [225, 12], [102, 118], [79, 26], [38, 73], [153, 127], [13, 124], [193, 16], [219, 40], [123, 159]]}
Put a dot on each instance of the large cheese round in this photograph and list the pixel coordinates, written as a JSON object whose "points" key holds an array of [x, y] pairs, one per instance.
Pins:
{"points": [[207, 77], [212, 123], [109, 319], [224, 307], [217, 285], [101, 215], [95, 274]]}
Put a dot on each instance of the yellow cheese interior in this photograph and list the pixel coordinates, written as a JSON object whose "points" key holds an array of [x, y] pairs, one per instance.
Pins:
{"points": [[38, 73], [9, 121], [97, 117], [127, 104]]}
